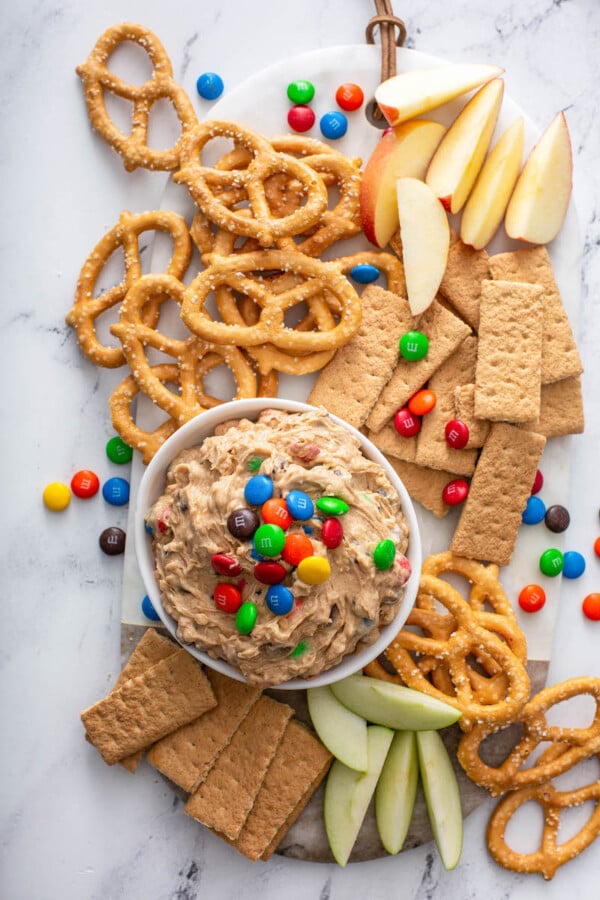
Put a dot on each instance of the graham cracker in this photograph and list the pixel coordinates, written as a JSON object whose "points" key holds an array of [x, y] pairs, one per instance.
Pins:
{"points": [[424, 485], [464, 409], [187, 755], [560, 358], [491, 515], [225, 797], [350, 384], [298, 767], [432, 449], [144, 709], [151, 648], [561, 409], [461, 285], [445, 332], [390, 442], [508, 372]]}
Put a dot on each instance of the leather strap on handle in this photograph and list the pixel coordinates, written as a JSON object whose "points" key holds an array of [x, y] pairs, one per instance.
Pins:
{"points": [[387, 23]]}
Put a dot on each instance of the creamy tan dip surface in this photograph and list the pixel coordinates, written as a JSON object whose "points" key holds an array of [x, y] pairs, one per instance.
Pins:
{"points": [[299, 451]]}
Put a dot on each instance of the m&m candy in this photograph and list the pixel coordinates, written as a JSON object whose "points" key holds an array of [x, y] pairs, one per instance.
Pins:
{"points": [[406, 424], [299, 649], [456, 433], [349, 96], [422, 402], [209, 85], [534, 512], [85, 484], [384, 555], [591, 607], [116, 491], [227, 598], [532, 598], [112, 541], [242, 523], [314, 570], [56, 496], [332, 533], [300, 505], [267, 571], [333, 125], [148, 610], [258, 489], [455, 492], [254, 463], [300, 91], [118, 451], [333, 506], [551, 562], [275, 512], [538, 482], [364, 273], [280, 599], [224, 564], [574, 564], [296, 548], [269, 539], [245, 617], [597, 546], [557, 518], [414, 345], [301, 118]]}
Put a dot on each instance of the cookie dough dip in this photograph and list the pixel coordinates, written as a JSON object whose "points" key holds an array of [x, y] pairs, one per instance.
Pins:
{"points": [[279, 547]]}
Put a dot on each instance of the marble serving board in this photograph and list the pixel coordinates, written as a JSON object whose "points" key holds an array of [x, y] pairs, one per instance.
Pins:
{"points": [[327, 69]]}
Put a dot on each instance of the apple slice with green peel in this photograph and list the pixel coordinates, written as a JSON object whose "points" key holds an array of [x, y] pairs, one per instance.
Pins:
{"points": [[540, 200], [404, 151], [409, 94], [348, 794], [393, 705], [342, 731], [485, 208], [442, 796], [396, 791], [459, 157], [425, 236]]}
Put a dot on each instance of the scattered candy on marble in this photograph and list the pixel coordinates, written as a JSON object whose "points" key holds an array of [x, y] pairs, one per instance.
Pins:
{"points": [[332, 533], [301, 118], [414, 345], [118, 451], [532, 598], [300, 91], [314, 570], [457, 434], [269, 540], [148, 609], [258, 490], [56, 496], [300, 505], [591, 607], [280, 599], [296, 548], [551, 562], [333, 506], [242, 523], [116, 491], [574, 564], [209, 85], [422, 402], [112, 541], [384, 555], [349, 96], [333, 125], [85, 484], [276, 512], [227, 597], [534, 512], [538, 482], [364, 273], [557, 518], [455, 492], [224, 564], [245, 617]]}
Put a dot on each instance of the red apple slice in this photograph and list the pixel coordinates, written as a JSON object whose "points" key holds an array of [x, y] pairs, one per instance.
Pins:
{"points": [[489, 198], [540, 200], [405, 151], [412, 93], [459, 157]]}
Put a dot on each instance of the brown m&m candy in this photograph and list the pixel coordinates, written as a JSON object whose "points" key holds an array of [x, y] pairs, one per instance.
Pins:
{"points": [[242, 523], [557, 518], [112, 541]]}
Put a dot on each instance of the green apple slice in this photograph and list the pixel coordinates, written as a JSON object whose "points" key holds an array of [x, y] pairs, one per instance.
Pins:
{"points": [[396, 791], [393, 705], [442, 796], [348, 794], [342, 731]]}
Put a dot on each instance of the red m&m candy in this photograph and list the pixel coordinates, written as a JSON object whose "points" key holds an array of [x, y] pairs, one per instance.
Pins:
{"points": [[223, 564], [85, 484], [455, 492], [269, 572], [457, 434], [532, 598], [227, 598], [406, 424], [301, 118], [332, 533], [538, 482], [349, 96]]}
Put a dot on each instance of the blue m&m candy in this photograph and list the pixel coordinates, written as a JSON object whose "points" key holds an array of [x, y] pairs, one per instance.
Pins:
{"points": [[209, 85], [534, 512], [364, 273], [258, 490], [574, 565], [333, 125], [300, 505], [149, 610], [280, 600], [116, 491]]}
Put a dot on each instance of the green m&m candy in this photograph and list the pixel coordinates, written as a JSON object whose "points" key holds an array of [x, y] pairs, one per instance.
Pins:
{"points": [[299, 649], [551, 562], [269, 540], [384, 554], [254, 463], [333, 506], [300, 91], [118, 451], [414, 345], [245, 617]]}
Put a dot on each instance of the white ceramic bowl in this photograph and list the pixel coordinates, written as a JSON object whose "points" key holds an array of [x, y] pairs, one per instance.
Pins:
{"points": [[192, 434]]}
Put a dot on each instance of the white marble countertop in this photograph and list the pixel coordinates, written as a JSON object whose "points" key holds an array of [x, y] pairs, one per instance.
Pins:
{"points": [[73, 828]]}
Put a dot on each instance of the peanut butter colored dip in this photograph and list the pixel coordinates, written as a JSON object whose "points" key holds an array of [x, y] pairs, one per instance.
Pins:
{"points": [[300, 451]]}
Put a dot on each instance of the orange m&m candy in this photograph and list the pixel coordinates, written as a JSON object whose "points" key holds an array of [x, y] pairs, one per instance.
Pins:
{"points": [[532, 598], [275, 512], [297, 547], [422, 402], [591, 607], [349, 96]]}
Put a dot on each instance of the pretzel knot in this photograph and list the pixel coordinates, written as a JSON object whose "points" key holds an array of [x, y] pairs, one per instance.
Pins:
{"points": [[206, 184], [97, 79], [570, 745], [240, 273], [125, 234], [551, 854]]}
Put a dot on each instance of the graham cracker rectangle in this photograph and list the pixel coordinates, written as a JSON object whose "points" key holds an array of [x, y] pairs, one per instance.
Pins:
{"points": [[561, 409], [390, 442], [350, 384], [225, 797], [445, 332], [491, 515], [150, 649], [508, 372], [424, 485], [187, 755], [461, 285], [464, 409], [560, 358], [433, 450], [144, 709], [298, 767]]}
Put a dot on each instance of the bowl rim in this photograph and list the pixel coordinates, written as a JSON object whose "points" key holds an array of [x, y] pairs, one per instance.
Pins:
{"points": [[186, 437]]}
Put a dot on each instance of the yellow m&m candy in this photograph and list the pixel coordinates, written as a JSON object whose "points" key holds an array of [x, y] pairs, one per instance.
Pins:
{"points": [[314, 570], [56, 496]]}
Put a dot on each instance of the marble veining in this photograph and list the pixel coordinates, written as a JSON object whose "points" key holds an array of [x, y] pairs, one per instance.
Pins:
{"points": [[72, 828]]}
